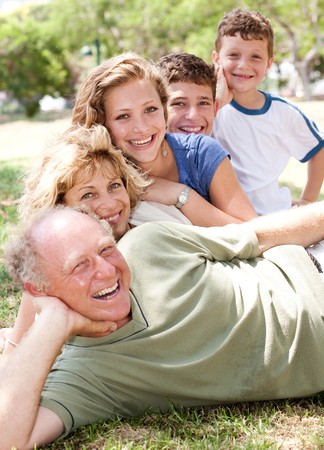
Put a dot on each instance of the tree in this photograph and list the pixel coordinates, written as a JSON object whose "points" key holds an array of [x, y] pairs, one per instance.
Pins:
{"points": [[36, 57], [88, 22], [300, 28], [32, 63]]}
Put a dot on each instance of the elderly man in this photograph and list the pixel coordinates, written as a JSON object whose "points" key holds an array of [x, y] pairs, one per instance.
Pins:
{"points": [[202, 319]]}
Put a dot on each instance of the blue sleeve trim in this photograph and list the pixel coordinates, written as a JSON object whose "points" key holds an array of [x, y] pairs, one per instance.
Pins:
{"points": [[311, 125], [313, 152]]}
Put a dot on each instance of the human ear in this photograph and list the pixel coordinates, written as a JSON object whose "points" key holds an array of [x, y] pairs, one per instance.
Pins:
{"points": [[215, 57], [34, 290], [270, 62]]}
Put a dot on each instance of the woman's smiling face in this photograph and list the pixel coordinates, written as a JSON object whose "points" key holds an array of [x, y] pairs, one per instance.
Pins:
{"points": [[105, 195], [135, 120]]}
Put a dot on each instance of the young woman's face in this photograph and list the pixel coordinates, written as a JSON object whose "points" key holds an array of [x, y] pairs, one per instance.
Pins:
{"points": [[135, 120], [245, 62], [104, 195]]}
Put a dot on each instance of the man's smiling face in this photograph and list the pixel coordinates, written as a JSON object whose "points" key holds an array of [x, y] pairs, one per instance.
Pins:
{"points": [[84, 267]]}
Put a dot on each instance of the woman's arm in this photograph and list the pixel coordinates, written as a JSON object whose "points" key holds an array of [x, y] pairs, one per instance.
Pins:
{"points": [[23, 373], [227, 194], [24, 320], [198, 210]]}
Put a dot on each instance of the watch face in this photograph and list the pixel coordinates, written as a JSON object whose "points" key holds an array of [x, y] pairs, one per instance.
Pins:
{"points": [[182, 198]]}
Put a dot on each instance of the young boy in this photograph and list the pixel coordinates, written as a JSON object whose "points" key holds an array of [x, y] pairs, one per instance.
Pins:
{"points": [[260, 130], [192, 85]]}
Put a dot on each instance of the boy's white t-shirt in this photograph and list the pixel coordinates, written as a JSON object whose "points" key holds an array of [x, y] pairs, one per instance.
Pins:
{"points": [[261, 142]]}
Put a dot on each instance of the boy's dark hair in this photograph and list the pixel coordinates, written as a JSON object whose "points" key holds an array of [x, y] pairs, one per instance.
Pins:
{"points": [[185, 67], [248, 24]]}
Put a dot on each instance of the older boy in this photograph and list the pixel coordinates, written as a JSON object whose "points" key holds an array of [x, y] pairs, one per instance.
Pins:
{"points": [[192, 84], [260, 130]]}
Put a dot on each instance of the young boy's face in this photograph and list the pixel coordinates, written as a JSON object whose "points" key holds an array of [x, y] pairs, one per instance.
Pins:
{"points": [[245, 62], [191, 108]]}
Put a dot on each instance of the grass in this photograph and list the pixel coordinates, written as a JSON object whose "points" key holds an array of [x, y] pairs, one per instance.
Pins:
{"points": [[283, 424], [287, 424]]}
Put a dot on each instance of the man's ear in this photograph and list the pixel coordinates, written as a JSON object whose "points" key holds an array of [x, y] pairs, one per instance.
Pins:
{"points": [[34, 290]]}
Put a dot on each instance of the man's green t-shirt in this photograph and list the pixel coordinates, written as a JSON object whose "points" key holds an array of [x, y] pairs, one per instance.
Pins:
{"points": [[212, 323]]}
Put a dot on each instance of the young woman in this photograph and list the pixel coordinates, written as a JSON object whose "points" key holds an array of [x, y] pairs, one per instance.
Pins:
{"points": [[128, 95]]}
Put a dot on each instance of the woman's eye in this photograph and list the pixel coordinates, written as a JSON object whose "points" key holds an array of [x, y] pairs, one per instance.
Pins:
{"points": [[151, 109], [122, 116], [86, 196], [114, 186]]}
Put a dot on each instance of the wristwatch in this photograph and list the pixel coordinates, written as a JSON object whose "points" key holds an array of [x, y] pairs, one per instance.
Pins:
{"points": [[183, 197]]}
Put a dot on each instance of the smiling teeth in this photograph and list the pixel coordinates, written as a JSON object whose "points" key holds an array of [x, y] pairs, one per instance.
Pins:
{"points": [[142, 142], [111, 218], [245, 77], [191, 129], [106, 291]]}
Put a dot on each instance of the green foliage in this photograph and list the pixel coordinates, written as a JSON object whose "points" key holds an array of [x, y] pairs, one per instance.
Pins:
{"points": [[298, 25], [32, 63], [88, 20], [40, 46]]}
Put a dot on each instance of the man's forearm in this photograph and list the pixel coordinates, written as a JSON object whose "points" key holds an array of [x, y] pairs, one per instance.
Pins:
{"points": [[301, 226]]}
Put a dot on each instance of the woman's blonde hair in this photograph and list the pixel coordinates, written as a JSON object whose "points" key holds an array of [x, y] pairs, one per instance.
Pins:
{"points": [[116, 71], [78, 150]]}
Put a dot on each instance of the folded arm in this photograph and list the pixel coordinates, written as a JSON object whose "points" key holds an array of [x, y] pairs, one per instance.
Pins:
{"points": [[23, 374], [229, 203]]}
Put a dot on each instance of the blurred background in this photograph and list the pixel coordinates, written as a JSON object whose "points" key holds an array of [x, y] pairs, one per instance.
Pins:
{"points": [[47, 46]]}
